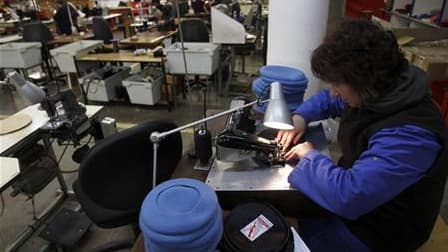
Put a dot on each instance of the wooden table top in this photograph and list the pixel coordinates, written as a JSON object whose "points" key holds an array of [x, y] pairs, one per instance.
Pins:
{"points": [[150, 39], [122, 56], [67, 39]]}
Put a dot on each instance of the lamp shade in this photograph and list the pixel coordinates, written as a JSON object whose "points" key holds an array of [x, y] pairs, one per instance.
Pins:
{"points": [[277, 113], [28, 90]]}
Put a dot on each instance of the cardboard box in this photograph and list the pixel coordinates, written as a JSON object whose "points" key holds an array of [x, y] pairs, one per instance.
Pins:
{"points": [[436, 67], [408, 53], [419, 34], [432, 59]]}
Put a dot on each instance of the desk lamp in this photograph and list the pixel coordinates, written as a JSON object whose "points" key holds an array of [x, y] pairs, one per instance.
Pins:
{"points": [[29, 90], [277, 116]]}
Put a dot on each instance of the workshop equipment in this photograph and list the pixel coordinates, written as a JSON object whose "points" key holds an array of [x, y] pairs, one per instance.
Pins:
{"points": [[105, 83], [66, 55], [238, 133], [201, 58], [108, 126], [68, 119], [20, 55], [144, 88]]}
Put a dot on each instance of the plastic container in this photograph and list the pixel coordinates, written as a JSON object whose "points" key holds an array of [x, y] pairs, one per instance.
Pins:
{"points": [[65, 55], [144, 88], [102, 84], [20, 55], [201, 58]]}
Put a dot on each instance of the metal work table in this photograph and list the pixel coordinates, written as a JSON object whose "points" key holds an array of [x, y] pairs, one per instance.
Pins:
{"points": [[245, 174], [11, 143], [234, 182]]}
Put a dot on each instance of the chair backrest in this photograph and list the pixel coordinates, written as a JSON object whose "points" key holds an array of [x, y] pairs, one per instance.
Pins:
{"points": [[194, 30], [36, 32], [101, 30], [117, 173]]}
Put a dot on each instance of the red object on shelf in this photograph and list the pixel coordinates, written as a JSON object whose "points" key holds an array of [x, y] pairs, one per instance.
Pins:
{"points": [[440, 96], [359, 8], [438, 89], [136, 5], [444, 106]]}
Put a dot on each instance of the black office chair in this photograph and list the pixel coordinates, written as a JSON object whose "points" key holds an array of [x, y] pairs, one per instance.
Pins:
{"points": [[36, 32], [39, 32], [194, 30], [101, 30], [116, 174]]}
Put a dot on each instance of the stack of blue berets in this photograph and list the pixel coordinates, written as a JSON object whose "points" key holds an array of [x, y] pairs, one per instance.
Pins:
{"points": [[181, 215], [294, 83]]}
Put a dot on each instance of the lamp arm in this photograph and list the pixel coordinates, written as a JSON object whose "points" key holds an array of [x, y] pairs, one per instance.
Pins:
{"points": [[157, 136], [154, 164]]}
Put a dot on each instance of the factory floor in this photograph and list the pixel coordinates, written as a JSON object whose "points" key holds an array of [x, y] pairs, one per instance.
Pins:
{"points": [[18, 211]]}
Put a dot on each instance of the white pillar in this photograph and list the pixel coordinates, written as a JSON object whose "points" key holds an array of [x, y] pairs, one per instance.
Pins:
{"points": [[295, 29]]}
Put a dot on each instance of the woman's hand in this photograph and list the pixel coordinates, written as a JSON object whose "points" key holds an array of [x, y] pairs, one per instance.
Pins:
{"points": [[299, 151], [291, 137]]}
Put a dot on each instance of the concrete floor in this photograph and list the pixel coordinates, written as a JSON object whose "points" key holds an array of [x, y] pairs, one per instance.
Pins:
{"points": [[18, 210]]}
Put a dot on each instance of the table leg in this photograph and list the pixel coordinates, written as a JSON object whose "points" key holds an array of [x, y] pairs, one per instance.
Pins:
{"points": [[168, 98], [41, 218]]}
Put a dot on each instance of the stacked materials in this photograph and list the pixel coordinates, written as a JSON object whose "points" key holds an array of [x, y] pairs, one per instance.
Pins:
{"points": [[294, 84], [181, 215]]}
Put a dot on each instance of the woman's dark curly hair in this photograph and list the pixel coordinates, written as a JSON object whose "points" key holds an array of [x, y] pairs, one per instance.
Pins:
{"points": [[361, 55]]}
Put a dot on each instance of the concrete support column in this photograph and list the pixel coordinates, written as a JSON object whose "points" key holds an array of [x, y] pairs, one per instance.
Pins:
{"points": [[295, 29]]}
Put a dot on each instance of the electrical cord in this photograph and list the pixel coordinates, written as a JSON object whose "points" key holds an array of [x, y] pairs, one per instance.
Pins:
{"points": [[2, 210], [57, 162], [183, 52], [2, 241], [86, 91], [259, 101], [62, 155], [63, 152]]}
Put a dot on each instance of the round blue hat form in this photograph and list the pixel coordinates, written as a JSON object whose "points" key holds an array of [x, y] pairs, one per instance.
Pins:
{"points": [[207, 243], [191, 240], [293, 93], [181, 215], [282, 73]]}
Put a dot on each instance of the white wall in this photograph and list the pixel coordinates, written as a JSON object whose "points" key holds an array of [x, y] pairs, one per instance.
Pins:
{"points": [[425, 6], [295, 29], [109, 3]]}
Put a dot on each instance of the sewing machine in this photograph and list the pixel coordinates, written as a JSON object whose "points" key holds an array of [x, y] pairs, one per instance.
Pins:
{"points": [[239, 134], [68, 119], [250, 162]]}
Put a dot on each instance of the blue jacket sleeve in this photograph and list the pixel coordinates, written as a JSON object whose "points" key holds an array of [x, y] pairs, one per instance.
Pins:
{"points": [[395, 159], [320, 106]]}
